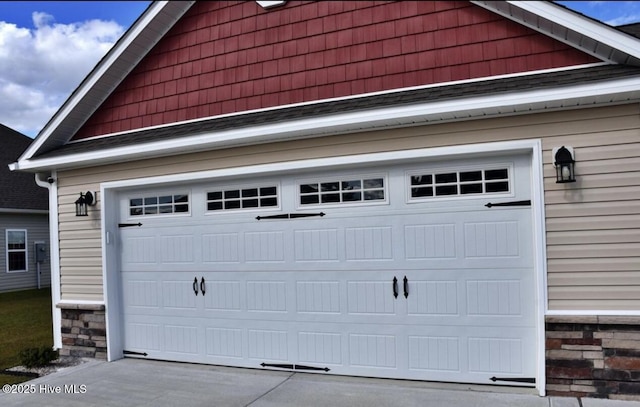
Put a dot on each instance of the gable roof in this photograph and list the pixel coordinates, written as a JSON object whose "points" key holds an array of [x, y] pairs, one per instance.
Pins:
{"points": [[631, 29], [606, 43], [18, 190]]}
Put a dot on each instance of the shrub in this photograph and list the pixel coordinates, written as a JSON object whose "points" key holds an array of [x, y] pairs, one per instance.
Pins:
{"points": [[37, 357]]}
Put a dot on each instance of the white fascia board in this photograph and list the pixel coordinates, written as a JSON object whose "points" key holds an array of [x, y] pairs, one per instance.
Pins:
{"points": [[585, 26], [596, 312], [96, 75], [397, 116]]}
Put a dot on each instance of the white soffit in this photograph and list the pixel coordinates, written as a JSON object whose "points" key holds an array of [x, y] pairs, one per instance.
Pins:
{"points": [[583, 33]]}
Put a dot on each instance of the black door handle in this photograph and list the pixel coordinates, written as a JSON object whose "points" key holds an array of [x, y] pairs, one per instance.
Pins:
{"points": [[406, 287], [195, 285], [395, 287], [202, 286]]}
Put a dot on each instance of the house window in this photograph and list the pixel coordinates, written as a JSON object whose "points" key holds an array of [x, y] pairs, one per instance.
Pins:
{"points": [[245, 198], [16, 250], [342, 191], [159, 205], [447, 183]]}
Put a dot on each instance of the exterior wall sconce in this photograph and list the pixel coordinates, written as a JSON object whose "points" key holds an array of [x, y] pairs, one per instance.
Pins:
{"points": [[82, 204], [564, 161]]}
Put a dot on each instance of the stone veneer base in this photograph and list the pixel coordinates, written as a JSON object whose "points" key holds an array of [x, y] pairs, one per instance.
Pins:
{"points": [[84, 331], [593, 356]]}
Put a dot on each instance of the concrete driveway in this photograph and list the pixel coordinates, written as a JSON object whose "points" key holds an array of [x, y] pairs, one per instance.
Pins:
{"points": [[132, 382]]}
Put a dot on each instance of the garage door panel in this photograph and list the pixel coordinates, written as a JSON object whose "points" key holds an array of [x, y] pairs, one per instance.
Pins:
{"points": [[329, 292], [429, 241], [438, 297], [370, 298], [220, 248], [138, 249], [178, 294], [324, 348], [140, 291], [222, 295], [269, 344], [434, 353], [224, 343], [317, 245], [319, 297]]}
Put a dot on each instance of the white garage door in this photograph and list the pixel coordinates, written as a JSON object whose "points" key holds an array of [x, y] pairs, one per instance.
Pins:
{"points": [[400, 271]]}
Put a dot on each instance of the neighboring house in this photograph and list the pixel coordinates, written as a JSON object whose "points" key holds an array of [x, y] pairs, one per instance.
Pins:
{"points": [[24, 220], [356, 188]]}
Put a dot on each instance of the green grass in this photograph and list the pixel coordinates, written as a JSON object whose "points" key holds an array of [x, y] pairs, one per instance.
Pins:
{"points": [[25, 322]]}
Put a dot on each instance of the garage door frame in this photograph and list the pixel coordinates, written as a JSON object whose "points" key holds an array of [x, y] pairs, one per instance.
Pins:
{"points": [[110, 214]]}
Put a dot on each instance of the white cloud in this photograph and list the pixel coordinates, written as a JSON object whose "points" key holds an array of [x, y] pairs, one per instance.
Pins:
{"points": [[39, 68], [625, 19]]}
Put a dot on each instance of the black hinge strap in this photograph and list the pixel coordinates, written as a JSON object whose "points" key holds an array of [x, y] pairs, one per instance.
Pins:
{"points": [[514, 379], [303, 367], [130, 352], [278, 365], [128, 225], [290, 216], [512, 203], [294, 367]]}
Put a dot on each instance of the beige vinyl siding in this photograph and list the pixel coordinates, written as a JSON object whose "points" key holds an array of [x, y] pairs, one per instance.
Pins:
{"points": [[592, 225]]}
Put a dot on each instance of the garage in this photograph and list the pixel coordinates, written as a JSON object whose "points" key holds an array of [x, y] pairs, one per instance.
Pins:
{"points": [[417, 269]]}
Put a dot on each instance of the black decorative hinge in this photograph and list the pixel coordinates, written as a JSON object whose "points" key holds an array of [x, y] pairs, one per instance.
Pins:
{"points": [[130, 352], [512, 203], [513, 379], [291, 216], [128, 225], [294, 367]]}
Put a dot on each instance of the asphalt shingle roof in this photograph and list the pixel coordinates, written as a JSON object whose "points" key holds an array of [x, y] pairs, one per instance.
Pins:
{"points": [[18, 190], [440, 93]]}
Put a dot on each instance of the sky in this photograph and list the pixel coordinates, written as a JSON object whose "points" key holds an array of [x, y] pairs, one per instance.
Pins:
{"points": [[48, 47]]}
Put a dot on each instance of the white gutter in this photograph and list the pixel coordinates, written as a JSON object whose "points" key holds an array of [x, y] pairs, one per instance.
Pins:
{"points": [[609, 92], [49, 181]]}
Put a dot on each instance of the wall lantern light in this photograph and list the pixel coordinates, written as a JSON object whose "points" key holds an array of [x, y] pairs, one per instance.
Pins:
{"points": [[564, 161], [82, 204]]}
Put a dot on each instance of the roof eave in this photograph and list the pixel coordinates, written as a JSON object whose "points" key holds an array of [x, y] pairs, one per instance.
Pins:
{"points": [[108, 73], [594, 38], [611, 92]]}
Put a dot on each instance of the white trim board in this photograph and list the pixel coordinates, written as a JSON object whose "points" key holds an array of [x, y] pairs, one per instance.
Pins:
{"points": [[594, 313], [608, 92], [590, 36], [109, 214]]}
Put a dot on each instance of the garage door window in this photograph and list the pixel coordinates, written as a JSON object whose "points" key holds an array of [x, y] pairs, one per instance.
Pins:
{"points": [[245, 198], [159, 205], [447, 183], [343, 191]]}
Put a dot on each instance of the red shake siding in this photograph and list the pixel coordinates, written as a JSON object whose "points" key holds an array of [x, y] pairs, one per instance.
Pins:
{"points": [[224, 57]]}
